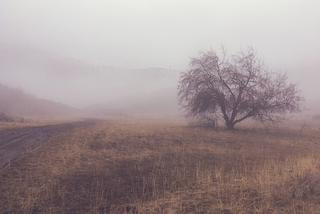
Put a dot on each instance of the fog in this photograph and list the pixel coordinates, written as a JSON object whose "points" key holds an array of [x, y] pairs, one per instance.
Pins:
{"points": [[86, 53]]}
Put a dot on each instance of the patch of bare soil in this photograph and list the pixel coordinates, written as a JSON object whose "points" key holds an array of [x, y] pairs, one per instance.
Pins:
{"points": [[15, 142]]}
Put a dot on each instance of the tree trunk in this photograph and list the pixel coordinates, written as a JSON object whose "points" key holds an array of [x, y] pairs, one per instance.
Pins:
{"points": [[230, 125]]}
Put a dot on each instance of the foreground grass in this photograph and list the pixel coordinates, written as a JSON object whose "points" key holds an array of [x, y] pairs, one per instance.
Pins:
{"points": [[167, 168]]}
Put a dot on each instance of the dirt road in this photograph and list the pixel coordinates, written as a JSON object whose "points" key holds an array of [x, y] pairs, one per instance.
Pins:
{"points": [[15, 142]]}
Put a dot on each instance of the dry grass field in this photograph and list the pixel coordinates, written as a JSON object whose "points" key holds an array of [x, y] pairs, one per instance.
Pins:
{"points": [[156, 167]]}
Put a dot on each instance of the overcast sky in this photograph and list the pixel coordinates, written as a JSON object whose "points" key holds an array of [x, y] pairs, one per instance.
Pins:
{"points": [[166, 33], [144, 33]]}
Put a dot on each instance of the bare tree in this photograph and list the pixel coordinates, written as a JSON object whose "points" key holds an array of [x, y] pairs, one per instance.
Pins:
{"points": [[236, 88]]}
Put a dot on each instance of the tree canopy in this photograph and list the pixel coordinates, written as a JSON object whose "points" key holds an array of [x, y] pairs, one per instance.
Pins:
{"points": [[236, 88]]}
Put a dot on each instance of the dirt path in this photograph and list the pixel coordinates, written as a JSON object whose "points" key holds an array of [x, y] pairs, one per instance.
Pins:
{"points": [[15, 142]]}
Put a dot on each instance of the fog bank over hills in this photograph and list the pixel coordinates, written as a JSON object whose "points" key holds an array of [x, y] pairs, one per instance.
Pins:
{"points": [[128, 54], [100, 90], [97, 89]]}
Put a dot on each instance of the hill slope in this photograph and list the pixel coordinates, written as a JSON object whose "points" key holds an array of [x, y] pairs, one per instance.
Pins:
{"points": [[17, 102]]}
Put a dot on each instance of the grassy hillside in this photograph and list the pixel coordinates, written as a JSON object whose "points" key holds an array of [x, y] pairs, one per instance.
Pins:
{"points": [[16, 102]]}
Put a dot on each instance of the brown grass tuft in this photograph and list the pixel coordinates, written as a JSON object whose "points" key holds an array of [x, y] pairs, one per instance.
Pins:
{"points": [[166, 168]]}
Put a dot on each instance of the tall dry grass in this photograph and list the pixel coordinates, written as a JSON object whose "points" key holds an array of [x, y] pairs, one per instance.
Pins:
{"points": [[167, 168]]}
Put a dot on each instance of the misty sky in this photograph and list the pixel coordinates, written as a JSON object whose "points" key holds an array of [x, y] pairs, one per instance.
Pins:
{"points": [[144, 33], [166, 33]]}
